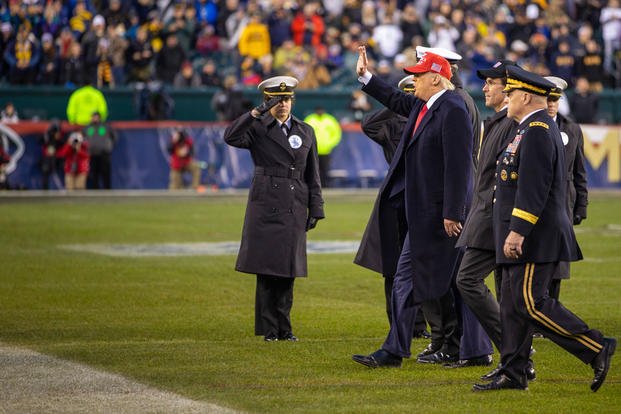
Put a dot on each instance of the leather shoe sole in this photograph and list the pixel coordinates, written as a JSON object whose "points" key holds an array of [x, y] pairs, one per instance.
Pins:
{"points": [[437, 358], [601, 363]]}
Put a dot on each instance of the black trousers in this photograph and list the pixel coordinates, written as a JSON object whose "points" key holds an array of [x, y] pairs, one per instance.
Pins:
{"points": [[476, 265], [526, 305], [443, 321], [99, 172], [273, 301]]}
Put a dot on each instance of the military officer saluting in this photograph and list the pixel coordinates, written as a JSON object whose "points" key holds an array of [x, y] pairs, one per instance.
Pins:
{"points": [[532, 232], [284, 202]]}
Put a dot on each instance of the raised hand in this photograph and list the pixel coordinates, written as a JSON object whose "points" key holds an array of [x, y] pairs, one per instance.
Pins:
{"points": [[266, 106], [363, 63]]}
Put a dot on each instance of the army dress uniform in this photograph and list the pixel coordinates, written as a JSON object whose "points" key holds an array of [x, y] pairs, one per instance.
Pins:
{"points": [[284, 193], [530, 200]]}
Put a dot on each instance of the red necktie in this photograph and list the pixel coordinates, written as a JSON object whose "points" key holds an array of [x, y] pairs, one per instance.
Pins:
{"points": [[421, 114]]}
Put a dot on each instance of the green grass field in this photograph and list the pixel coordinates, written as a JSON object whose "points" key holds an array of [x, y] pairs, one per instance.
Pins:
{"points": [[185, 324]]}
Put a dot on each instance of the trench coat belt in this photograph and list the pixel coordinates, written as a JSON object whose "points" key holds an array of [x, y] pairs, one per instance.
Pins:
{"points": [[290, 172]]}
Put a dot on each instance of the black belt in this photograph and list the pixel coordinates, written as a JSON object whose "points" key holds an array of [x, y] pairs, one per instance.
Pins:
{"points": [[290, 172]]}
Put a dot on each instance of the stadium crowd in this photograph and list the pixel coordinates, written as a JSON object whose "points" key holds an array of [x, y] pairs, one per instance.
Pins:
{"points": [[189, 43]]}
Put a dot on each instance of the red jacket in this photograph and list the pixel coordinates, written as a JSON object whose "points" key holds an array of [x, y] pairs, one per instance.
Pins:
{"points": [[76, 162], [181, 153], [300, 33]]}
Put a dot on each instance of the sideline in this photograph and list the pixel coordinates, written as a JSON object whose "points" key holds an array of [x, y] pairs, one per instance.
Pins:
{"points": [[32, 382]]}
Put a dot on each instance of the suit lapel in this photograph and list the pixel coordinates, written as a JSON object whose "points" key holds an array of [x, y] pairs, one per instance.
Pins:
{"points": [[427, 118], [275, 133]]}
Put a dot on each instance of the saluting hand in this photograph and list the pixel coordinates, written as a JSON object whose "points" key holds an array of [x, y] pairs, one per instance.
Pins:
{"points": [[363, 63]]}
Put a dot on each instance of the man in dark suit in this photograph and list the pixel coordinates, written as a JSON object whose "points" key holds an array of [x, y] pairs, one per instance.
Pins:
{"points": [[577, 193], [431, 175], [532, 233], [385, 128], [479, 259]]}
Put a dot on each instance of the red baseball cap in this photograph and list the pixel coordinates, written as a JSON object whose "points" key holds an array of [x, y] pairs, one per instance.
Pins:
{"points": [[430, 62]]}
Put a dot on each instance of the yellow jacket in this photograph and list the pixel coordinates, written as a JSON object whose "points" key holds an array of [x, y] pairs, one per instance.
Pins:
{"points": [[83, 102], [254, 41], [327, 130]]}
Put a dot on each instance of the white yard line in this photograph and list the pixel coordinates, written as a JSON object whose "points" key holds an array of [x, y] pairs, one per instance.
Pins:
{"points": [[31, 382]]}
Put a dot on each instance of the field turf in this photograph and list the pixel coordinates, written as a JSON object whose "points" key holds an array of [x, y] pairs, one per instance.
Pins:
{"points": [[185, 324]]}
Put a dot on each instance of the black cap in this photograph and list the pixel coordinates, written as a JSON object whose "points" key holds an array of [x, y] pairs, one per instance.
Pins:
{"points": [[499, 70], [518, 78]]}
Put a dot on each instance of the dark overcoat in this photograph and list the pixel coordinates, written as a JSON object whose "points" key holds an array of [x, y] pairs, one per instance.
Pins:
{"points": [[577, 193], [385, 128], [498, 131], [431, 170], [531, 195], [285, 191]]}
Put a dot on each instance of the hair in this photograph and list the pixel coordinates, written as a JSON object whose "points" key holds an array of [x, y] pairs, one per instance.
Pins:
{"points": [[446, 84]]}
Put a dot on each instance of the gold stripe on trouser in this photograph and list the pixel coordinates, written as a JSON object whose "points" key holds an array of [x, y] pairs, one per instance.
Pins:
{"points": [[543, 319]]}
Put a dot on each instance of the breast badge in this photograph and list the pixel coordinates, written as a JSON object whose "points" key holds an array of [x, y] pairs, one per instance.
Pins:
{"points": [[295, 141]]}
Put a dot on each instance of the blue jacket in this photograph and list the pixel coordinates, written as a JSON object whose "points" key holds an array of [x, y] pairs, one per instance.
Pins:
{"points": [[431, 173]]}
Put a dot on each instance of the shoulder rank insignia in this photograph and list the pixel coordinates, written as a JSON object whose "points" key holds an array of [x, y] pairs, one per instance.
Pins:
{"points": [[539, 123]]}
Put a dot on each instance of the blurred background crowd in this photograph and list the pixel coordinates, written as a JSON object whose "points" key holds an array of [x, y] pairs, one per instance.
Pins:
{"points": [[218, 43]]}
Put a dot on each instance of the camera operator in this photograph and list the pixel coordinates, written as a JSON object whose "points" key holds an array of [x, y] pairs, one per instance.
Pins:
{"points": [[181, 150], [77, 161], [51, 163]]}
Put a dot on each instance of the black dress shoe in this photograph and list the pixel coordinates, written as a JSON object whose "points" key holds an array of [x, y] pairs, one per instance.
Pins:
{"points": [[500, 382], [429, 349], [492, 374], [601, 363], [422, 334], [270, 338], [288, 337], [379, 359], [437, 357], [531, 375], [481, 361]]}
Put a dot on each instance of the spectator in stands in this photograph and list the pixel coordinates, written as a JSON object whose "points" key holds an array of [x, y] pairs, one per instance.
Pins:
{"points": [[308, 26], [584, 103], [266, 66], [116, 14], [229, 102], [610, 19], [104, 76], [316, 76], [51, 162], [52, 22], [207, 42], [77, 161], [22, 56], [206, 12], [6, 35], [83, 103], [9, 114], [187, 77], [80, 20], [101, 139], [387, 38], [410, 24], [442, 34], [139, 55], [182, 23], [285, 54], [181, 150], [562, 62], [91, 48], [249, 72], [117, 50], [169, 59], [50, 63], [328, 133], [209, 74], [71, 68], [591, 65], [279, 24], [254, 40]]}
